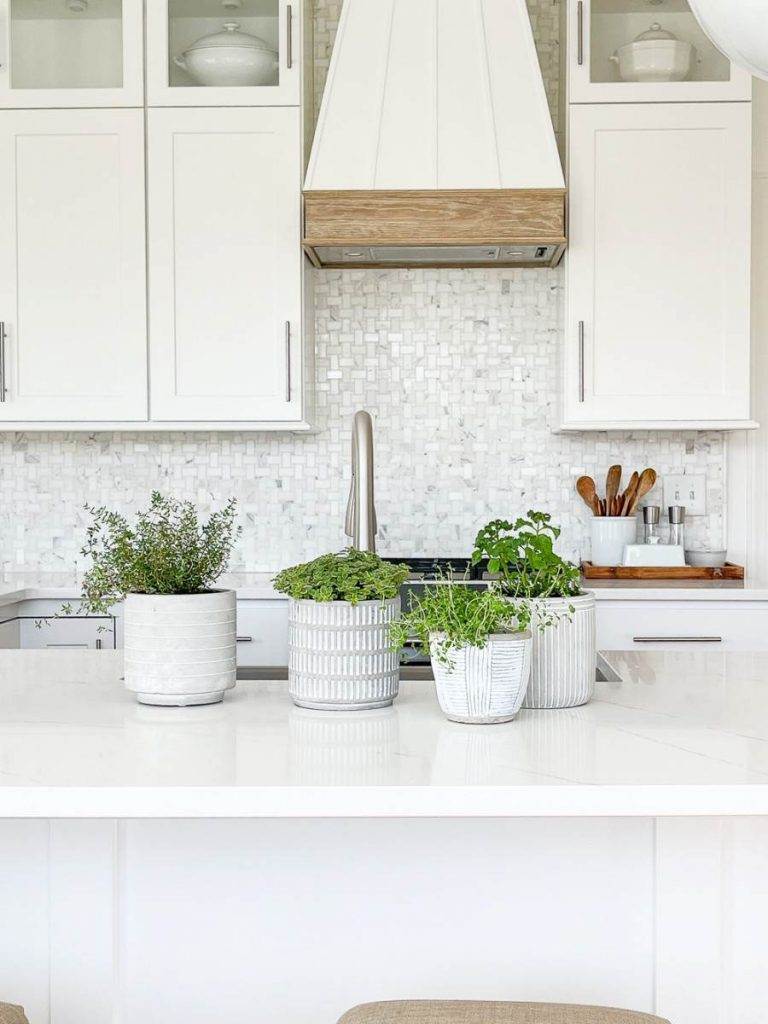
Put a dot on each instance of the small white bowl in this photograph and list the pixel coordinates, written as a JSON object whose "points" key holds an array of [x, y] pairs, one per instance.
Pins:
{"points": [[706, 559]]}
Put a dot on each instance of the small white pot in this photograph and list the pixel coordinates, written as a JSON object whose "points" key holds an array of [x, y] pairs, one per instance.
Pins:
{"points": [[181, 649], [564, 659], [485, 685], [610, 535], [230, 58], [340, 656]]}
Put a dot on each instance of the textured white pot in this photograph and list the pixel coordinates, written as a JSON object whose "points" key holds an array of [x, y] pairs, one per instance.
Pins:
{"points": [[485, 685], [180, 649], [564, 661], [340, 656]]}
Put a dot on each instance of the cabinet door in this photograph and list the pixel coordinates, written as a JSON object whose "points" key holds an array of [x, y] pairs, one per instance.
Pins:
{"points": [[71, 54], [72, 265], [658, 268], [199, 55], [225, 265], [604, 66]]}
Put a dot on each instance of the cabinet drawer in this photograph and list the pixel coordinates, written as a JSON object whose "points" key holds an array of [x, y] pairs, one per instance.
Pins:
{"points": [[644, 625], [86, 633], [262, 634]]}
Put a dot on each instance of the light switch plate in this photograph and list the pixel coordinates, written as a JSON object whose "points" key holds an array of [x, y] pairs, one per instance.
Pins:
{"points": [[690, 491]]}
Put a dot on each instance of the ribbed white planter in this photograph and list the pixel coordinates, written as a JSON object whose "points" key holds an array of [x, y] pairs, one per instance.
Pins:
{"points": [[485, 685], [563, 660], [340, 656], [181, 649]]}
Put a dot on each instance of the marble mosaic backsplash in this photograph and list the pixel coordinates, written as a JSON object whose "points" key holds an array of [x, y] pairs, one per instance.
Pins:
{"points": [[459, 369]]}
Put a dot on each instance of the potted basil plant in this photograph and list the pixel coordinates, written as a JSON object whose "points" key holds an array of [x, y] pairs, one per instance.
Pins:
{"points": [[522, 555], [179, 630], [340, 610], [479, 647]]}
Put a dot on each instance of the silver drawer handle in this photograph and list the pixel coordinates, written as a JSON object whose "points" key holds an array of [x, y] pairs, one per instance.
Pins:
{"points": [[245, 639], [289, 37], [3, 388], [581, 360], [287, 360], [580, 33], [677, 640]]}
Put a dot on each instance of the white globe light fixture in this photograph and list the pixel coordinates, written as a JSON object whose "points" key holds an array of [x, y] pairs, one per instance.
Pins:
{"points": [[739, 28]]}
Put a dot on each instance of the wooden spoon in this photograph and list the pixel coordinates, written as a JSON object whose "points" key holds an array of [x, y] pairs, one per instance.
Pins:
{"points": [[628, 496], [647, 483], [612, 484], [585, 485]]}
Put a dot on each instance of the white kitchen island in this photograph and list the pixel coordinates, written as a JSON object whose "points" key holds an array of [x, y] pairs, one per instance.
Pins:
{"points": [[256, 862]]}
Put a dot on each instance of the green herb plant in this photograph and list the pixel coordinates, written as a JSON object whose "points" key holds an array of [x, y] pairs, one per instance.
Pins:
{"points": [[522, 554], [166, 551], [450, 616], [349, 575]]}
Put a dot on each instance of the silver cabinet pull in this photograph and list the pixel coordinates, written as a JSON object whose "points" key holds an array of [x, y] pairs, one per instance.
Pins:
{"points": [[287, 360], [581, 360], [245, 639], [580, 32], [289, 36], [3, 388], [677, 640]]}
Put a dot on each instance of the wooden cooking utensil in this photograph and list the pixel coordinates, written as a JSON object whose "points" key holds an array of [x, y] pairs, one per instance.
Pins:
{"points": [[612, 484], [647, 483], [585, 485], [627, 497]]}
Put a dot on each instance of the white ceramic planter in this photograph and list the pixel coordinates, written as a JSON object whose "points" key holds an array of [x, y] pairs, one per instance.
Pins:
{"points": [[340, 656], [485, 685], [181, 649], [610, 535], [563, 659]]}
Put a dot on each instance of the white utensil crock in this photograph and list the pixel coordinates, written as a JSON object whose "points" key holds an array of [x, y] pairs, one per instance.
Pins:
{"points": [[485, 685], [563, 655], [181, 649], [340, 654], [610, 535]]}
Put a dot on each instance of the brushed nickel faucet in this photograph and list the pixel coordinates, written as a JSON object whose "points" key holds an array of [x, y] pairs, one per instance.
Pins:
{"points": [[361, 523]]}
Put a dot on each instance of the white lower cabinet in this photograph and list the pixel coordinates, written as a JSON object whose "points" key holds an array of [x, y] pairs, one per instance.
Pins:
{"points": [[72, 266], [262, 633], [658, 266], [225, 265], [662, 625]]}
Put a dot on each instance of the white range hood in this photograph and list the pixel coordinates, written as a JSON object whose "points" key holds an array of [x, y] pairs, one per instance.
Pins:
{"points": [[434, 144]]}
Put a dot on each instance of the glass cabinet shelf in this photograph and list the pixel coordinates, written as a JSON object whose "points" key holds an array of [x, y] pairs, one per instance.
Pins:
{"points": [[629, 50]]}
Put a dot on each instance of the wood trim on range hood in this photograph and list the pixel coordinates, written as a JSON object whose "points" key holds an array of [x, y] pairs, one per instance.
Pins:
{"points": [[449, 218]]}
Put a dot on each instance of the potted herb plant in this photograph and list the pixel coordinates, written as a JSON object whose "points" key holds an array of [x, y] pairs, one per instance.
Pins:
{"points": [[179, 632], [479, 648], [340, 610], [522, 555]]}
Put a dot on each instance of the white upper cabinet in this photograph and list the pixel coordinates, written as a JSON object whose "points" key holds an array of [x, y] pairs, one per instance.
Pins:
{"points": [[658, 266], [201, 53], [605, 66], [71, 53], [72, 267], [225, 265]]}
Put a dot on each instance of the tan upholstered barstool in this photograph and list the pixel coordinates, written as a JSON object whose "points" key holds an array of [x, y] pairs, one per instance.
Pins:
{"points": [[12, 1014], [450, 1012]]}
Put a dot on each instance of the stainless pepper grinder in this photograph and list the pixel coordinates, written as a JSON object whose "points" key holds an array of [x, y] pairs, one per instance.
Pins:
{"points": [[651, 517], [677, 525]]}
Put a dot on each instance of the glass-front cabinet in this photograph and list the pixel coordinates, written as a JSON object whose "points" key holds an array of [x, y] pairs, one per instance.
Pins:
{"points": [[71, 53], [645, 50], [223, 53]]}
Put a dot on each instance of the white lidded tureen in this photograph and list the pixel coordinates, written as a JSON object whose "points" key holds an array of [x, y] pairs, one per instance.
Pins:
{"points": [[655, 56], [230, 58]]}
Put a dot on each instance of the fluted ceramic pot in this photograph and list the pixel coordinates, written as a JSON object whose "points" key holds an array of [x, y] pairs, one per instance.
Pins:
{"points": [[484, 685], [180, 649], [564, 660], [340, 656]]}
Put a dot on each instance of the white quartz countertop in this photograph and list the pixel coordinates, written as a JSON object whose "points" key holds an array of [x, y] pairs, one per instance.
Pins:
{"points": [[681, 734]]}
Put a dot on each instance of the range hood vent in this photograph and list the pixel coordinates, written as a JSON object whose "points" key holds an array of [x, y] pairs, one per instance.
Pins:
{"points": [[434, 145]]}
